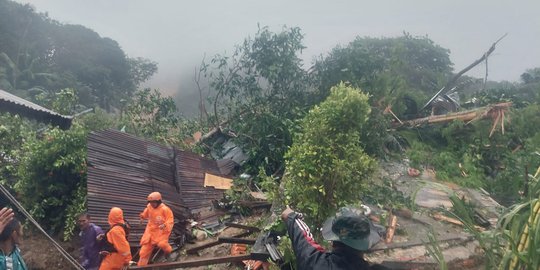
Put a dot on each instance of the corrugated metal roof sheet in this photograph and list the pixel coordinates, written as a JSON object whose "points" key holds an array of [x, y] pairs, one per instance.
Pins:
{"points": [[14, 104], [124, 169]]}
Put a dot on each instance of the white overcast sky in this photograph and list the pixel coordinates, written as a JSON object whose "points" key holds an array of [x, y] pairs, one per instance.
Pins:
{"points": [[178, 33]]}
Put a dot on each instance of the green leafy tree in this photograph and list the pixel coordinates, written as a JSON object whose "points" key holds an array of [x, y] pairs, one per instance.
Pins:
{"points": [[13, 131], [96, 62], [49, 173], [531, 76], [153, 116], [41, 56], [264, 70], [415, 62], [326, 165], [141, 69], [48, 169], [399, 72], [259, 91]]}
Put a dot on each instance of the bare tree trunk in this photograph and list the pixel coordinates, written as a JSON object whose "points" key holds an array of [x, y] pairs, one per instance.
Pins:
{"points": [[203, 114], [454, 79]]}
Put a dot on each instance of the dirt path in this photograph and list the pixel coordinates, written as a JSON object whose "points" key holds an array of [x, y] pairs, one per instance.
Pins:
{"points": [[40, 254]]}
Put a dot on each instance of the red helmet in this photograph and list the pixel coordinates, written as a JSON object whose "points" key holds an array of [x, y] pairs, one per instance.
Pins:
{"points": [[154, 196]]}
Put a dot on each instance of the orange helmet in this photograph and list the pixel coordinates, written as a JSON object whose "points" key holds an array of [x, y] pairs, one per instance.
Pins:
{"points": [[154, 196]]}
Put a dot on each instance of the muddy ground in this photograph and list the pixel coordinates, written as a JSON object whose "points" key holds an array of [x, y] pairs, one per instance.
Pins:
{"points": [[40, 254]]}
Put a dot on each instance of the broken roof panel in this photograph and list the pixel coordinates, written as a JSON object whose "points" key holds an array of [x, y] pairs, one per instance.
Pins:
{"points": [[14, 104], [122, 172], [191, 172], [124, 169]]}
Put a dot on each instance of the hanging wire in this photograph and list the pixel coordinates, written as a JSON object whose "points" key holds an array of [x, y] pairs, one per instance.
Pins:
{"points": [[64, 253]]}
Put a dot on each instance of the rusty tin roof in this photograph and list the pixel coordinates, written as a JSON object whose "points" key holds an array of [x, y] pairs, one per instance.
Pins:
{"points": [[124, 169]]}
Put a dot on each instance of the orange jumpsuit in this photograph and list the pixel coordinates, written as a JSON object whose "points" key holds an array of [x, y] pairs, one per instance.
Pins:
{"points": [[117, 237], [158, 230]]}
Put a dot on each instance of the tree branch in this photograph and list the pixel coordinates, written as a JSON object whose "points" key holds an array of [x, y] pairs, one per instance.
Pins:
{"points": [[454, 79]]}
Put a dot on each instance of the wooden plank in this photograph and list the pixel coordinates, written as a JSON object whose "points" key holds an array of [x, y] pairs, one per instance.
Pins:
{"points": [[193, 263], [392, 223], [466, 116], [234, 240], [201, 247], [214, 243], [438, 216], [240, 226]]}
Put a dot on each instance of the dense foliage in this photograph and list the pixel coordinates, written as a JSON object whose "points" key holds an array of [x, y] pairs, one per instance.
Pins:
{"points": [[415, 63], [398, 73], [258, 92], [41, 56], [50, 172], [12, 131], [151, 115], [326, 165]]}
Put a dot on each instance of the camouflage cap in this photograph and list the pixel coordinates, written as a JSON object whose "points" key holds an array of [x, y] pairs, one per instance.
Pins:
{"points": [[349, 226]]}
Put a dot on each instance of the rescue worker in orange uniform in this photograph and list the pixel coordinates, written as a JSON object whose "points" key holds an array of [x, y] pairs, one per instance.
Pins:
{"points": [[116, 236], [160, 224]]}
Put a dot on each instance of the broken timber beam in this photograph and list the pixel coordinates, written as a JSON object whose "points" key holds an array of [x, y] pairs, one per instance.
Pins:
{"points": [[215, 243], [392, 223], [193, 263], [240, 226], [235, 240], [465, 116]]}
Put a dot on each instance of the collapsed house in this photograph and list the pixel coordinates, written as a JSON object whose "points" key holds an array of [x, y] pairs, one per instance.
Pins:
{"points": [[124, 169]]}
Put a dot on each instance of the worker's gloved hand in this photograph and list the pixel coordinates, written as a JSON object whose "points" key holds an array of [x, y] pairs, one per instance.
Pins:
{"points": [[286, 213], [100, 236], [104, 253]]}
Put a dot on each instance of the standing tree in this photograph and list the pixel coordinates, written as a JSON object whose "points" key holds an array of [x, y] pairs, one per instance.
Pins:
{"points": [[258, 92], [150, 115], [417, 62], [326, 166], [153, 116]]}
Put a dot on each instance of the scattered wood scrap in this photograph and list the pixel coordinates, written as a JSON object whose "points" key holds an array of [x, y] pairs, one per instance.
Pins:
{"points": [[194, 263], [392, 223], [441, 217], [249, 230], [495, 112]]}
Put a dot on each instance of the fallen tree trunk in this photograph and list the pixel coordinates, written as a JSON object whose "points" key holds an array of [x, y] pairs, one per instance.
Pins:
{"points": [[465, 116]]}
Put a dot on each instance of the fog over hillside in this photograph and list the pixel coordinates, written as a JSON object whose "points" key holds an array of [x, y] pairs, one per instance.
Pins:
{"points": [[178, 34]]}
